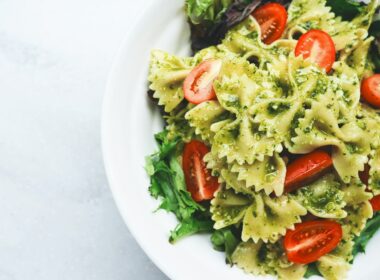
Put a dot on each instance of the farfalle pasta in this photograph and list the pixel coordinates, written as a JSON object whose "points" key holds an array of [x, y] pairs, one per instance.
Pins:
{"points": [[268, 107]]}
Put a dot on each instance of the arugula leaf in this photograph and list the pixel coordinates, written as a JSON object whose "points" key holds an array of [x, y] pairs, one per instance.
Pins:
{"points": [[370, 229], [225, 240], [312, 270], [167, 181], [206, 11], [347, 9]]}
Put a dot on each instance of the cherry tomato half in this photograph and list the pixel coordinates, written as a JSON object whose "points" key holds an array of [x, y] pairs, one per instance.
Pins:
{"points": [[199, 181], [198, 85], [272, 19], [318, 46], [306, 168], [375, 202], [370, 90], [311, 240]]}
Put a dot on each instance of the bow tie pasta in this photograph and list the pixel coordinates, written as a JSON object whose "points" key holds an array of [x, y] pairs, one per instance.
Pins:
{"points": [[269, 105]]}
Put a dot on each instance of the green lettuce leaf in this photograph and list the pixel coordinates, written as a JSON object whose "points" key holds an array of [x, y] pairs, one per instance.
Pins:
{"points": [[206, 11]]}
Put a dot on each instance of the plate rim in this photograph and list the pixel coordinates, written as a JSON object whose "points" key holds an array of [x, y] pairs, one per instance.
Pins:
{"points": [[105, 107]]}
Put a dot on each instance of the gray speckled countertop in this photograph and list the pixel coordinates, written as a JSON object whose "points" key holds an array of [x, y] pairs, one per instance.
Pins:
{"points": [[58, 218]]}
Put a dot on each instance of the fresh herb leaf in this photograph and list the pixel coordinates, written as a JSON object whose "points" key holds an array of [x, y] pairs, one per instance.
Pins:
{"points": [[347, 9], [225, 240], [312, 270], [370, 229]]}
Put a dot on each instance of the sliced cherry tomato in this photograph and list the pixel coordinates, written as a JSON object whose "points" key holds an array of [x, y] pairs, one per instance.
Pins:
{"points": [[306, 168], [272, 18], [311, 240], [370, 90], [198, 85], [375, 202], [199, 181], [318, 46]]}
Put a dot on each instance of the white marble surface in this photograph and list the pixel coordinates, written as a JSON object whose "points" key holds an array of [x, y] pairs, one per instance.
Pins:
{"points": [[57, 216]]}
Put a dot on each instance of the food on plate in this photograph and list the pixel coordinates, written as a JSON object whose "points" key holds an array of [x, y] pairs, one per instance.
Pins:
{"points": [[272, 136]]}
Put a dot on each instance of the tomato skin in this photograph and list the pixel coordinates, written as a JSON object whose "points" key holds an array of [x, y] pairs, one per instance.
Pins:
{"points": [[370, 90], [199, 181], [306, 167], [311, 240], [319, 47], [375, 202], [272, 19], [198, 85]]}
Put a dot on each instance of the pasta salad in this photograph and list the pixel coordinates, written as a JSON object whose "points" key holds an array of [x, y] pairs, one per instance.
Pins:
{"points": [[272, 135]]}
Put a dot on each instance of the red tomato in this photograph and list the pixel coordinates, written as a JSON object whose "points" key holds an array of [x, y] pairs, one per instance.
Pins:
{"points": [[311, 240], [370, 90], [318, 46], [199, 181], [305, 168], [198, 85], [375, 202], [272, 18]]}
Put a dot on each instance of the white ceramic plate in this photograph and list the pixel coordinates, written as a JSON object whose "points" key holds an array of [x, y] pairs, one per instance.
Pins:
{"points": [[128, 124]]}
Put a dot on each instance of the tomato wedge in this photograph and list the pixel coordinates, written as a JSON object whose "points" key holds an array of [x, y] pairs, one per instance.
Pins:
{"points": [[311, 240], [375, 202], [199, 181], [272, 19], [318, 46], [198, 85], [370, 90], [306, 168]]}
